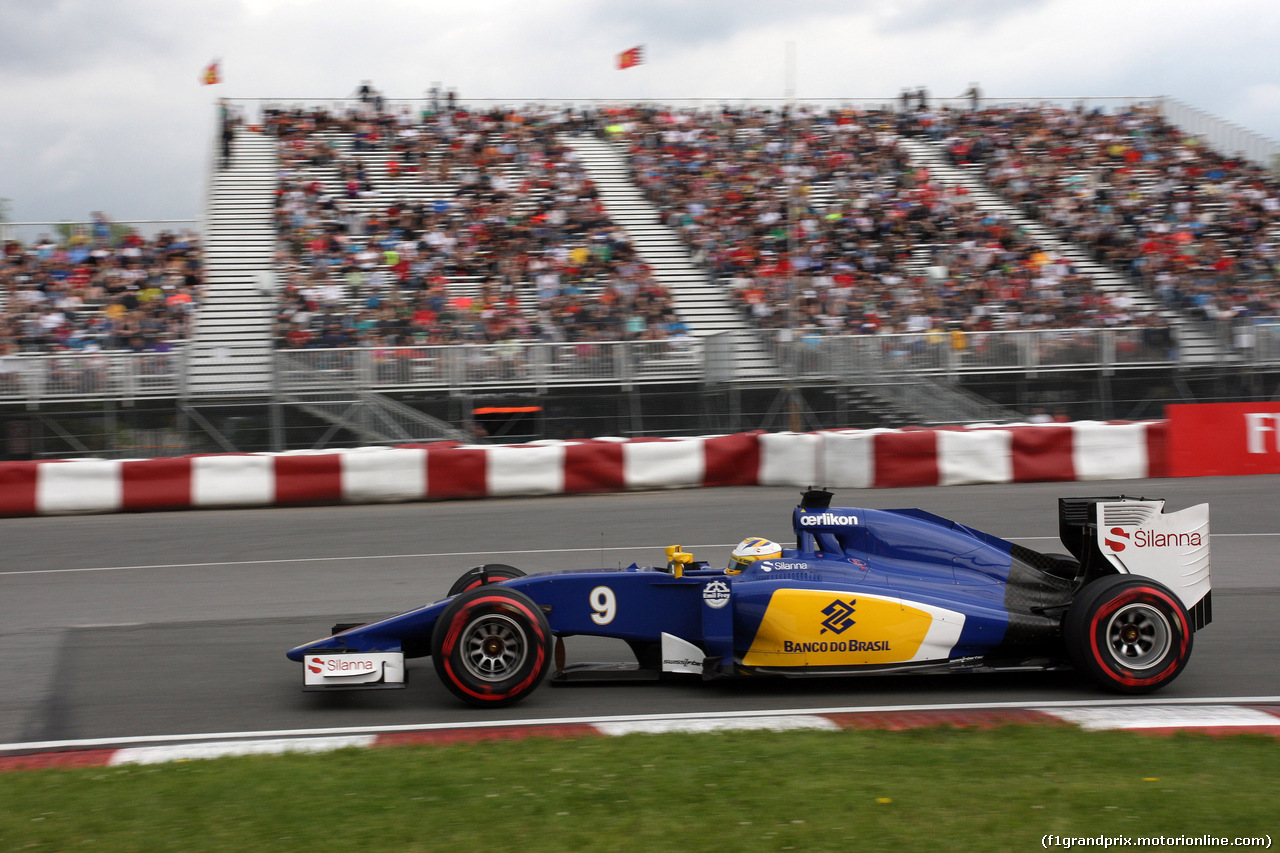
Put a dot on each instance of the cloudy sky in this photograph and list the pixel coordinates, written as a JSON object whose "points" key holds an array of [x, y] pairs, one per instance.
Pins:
{"points": [[103, 110]]}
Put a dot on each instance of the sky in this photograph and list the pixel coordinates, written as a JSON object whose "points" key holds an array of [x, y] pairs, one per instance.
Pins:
{"points": [[103, 109]]}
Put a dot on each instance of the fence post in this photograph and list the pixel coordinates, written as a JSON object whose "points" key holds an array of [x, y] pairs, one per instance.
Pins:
{"points": [[364, 372], [33, 375], [541, 364], [129, 377], [625, 369]]}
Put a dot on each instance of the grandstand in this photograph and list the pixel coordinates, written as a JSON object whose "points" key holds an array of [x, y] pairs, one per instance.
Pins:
{"points": [[370, 271]]}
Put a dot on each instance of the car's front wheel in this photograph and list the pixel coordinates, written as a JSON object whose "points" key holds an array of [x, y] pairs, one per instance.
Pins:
{"points": [[491, 646], [1128, 633]]}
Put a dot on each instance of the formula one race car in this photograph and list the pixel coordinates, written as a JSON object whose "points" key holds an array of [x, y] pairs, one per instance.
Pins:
{"points": [[863, 591]]}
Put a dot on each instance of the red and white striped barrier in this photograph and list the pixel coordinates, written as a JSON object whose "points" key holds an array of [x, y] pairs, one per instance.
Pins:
{"points": [[444, 471], [1024, 453], [1207, 719]]}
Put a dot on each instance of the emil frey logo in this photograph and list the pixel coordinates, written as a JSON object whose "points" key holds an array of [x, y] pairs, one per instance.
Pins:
{"points": [[839, 616], [716, 594]]}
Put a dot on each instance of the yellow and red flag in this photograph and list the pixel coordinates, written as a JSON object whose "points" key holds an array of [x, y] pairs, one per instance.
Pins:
{"points": [[631, 58], [212, 74]]}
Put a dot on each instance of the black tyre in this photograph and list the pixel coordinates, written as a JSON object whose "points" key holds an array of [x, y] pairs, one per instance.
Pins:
{"points": [[481, 575], [491, 646], [1128, 634]]}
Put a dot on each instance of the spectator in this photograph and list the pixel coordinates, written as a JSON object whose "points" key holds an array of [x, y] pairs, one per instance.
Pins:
{"points": [[227, 131], [817, 221], [1191, 226], [515, 244], [89, 295]]}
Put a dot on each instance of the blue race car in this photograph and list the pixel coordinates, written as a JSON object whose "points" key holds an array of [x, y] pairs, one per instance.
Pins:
{"points": [[863, 591]]}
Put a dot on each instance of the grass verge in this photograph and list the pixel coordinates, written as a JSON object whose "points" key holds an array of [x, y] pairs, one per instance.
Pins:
{"points": [[928, 789]]}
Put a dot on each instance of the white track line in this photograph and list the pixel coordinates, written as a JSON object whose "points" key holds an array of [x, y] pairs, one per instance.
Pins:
{"points": [[441, 554], [1029, 705], [285, 560]]}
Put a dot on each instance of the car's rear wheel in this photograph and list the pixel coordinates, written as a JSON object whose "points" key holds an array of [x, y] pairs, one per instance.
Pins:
{"points": [[491, 646], [1128, 634], [481, 575]]}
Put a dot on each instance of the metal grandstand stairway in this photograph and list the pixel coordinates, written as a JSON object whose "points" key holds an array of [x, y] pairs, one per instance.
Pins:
{"points": [[232, 354], [707, 309], [332, 393], [370, 418], [231, 351], [699, 302], [928, 400], [1196, 348]]}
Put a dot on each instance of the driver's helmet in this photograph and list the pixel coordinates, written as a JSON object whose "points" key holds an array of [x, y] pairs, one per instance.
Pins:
{"points": [[751, 549]]}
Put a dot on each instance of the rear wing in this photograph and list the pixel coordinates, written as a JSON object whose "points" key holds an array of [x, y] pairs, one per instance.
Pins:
{"points": [[1136, 536]]}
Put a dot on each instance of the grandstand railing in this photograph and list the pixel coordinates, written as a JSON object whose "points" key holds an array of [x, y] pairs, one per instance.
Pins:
{"points": [[38, 378], [1221, 135], [339, 106], [942, 353], [1261, 343], [477, 366], [70, 377], [29, 232]]}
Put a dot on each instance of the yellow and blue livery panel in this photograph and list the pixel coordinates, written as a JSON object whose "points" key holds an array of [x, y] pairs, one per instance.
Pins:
{"points": [[813, 627]]}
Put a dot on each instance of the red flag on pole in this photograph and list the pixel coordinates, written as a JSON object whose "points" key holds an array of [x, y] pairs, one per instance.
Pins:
{"points": [[212, 74], [631, 58]]}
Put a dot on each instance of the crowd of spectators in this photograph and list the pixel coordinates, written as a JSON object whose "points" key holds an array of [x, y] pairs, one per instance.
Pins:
{"points": [[818, 222], [1197, 228], [108, 288], [449, 226], [814, 220]]}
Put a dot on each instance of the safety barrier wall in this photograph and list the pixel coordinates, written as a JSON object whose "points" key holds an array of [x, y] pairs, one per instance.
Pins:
{"points": [[444, 471], [1223, 439], [863, 459]]}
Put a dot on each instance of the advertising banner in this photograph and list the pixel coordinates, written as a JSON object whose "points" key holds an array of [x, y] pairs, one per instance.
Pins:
{"points": [[1217, 439]]}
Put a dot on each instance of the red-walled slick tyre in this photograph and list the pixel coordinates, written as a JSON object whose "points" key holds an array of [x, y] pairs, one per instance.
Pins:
{"points": [[1129, 634], [481, 575], [491, 646]]}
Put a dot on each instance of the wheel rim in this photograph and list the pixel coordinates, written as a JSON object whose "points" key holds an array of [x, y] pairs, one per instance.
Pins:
{"points": [[1139, 636], [493, 647]]}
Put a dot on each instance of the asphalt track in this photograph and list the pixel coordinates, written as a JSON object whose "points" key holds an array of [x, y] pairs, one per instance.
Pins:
{"points": [[157, 624]]}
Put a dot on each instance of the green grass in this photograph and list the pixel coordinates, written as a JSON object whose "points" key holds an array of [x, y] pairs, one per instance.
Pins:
{"points": [[929, 789]]}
